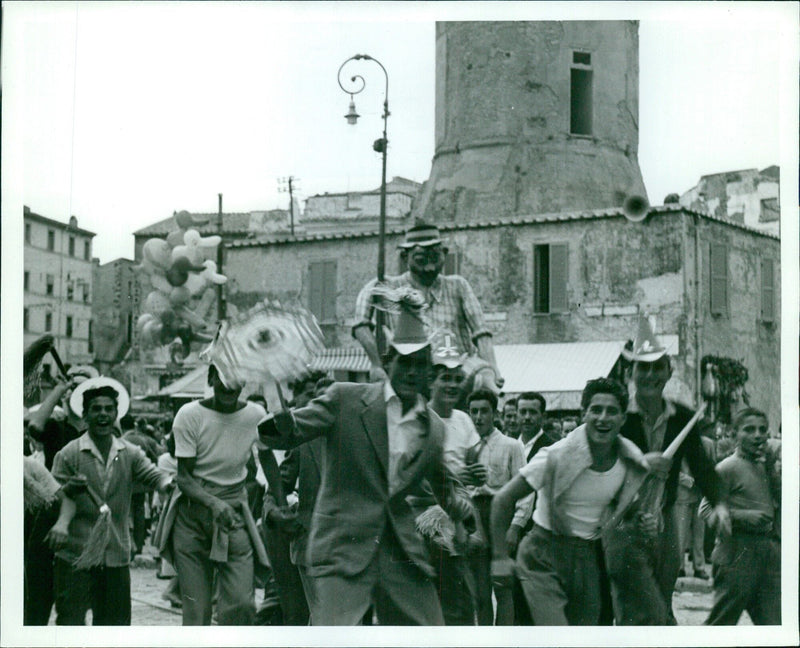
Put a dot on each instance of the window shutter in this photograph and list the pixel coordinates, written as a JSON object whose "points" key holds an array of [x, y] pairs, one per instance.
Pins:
{"points": [[452, 263], [558, 278], [328, 291], [316, 272], [719, 279], [767, 290]]}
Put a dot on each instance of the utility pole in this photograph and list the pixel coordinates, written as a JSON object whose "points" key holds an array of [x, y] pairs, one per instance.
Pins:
{"points": [[220, 297], [286, 185]]}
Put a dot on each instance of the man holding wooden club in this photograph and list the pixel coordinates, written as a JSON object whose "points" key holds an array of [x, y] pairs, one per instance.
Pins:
{"points": [[643, 566]]}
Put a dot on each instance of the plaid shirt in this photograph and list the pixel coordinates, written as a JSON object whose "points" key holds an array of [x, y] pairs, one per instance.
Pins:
{"points": [[113, 482], [451, 305]]}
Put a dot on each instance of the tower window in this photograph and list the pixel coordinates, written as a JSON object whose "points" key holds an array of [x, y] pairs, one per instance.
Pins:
{"points": [[69, 326], [580, 94], [51, 240], [582, 58], [580, 104]]}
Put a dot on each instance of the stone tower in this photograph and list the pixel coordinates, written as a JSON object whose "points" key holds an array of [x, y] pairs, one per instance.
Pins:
{"points": [[533, 117]]}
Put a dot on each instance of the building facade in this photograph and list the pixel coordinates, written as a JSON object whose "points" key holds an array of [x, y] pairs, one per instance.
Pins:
{"points": [[749, 197], [58, 290], [115, 308], [566, 277]]}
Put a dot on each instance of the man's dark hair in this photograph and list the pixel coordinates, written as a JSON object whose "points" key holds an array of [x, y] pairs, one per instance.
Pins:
{"points": [[531, 395], [742, 414], [549, 427], [90, 394], [127, 423], [511, 401], [604, 386], [483, 394], [212, 371], [299, 384]]}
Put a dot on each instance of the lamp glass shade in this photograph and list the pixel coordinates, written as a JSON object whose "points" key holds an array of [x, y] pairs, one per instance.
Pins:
{"points": [[352, 116]]}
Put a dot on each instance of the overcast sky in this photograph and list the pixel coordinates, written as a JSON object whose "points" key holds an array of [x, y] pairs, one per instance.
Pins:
{"points": [[133, 110]]}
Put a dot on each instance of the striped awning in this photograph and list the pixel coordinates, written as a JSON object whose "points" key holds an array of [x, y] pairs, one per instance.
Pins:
{"points": [[341, 359]]}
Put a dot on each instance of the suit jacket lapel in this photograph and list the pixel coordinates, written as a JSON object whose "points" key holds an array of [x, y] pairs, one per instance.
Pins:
{"points": [[373, 417]]}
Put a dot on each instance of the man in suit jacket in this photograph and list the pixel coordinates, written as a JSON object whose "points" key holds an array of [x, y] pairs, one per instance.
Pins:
{"points": [[383, 444], [643, 566]]}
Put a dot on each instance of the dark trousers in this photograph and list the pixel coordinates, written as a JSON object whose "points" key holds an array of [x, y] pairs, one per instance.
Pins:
{"points": [[139, 523], [287, 576], [455, 586], [749, 579], [401, 592], [38, 584], [561, 577], [104, 590], [643, 572]]}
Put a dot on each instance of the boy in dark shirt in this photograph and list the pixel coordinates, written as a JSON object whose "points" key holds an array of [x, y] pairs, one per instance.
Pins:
{"points": [[747, 562]]}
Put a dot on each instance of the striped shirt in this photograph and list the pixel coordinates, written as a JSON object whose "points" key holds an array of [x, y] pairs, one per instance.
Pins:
{"points": [[451, 306]]}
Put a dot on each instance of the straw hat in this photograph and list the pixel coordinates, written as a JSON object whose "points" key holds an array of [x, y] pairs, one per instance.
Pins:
{"points": [[123, 399]]}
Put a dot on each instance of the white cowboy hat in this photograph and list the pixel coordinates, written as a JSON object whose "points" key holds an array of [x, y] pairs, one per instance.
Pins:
{"points": [[123, 399], [646, 346]]}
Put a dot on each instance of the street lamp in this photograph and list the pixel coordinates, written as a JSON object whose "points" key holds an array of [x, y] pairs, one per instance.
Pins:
{"points": [[380, 145]]}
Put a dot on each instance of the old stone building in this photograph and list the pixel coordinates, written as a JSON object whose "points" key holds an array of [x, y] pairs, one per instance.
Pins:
{"points": [[116, 305], [748, 196], [533, 117], [711, 285], [57, 264]]}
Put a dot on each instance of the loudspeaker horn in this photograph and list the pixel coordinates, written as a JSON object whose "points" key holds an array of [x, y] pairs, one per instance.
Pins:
{"points": [[635, 208]]}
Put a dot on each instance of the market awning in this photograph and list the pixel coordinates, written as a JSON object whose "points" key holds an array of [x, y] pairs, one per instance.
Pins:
{"points": [[192, 385], [341, 359], [560, 371]]}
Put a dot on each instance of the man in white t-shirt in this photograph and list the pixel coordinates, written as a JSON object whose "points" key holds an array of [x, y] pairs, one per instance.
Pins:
{"points": [[454, 581], [585, 482], [213, 528]]}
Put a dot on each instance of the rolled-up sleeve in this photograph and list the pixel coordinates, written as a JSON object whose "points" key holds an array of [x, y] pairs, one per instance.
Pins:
{"points": [[364, 308], [146, 472], [472, 311], [535, 471]]}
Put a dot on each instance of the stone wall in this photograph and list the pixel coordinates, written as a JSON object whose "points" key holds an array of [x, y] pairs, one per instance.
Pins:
{"points": [[615, 269], [503, 137]]}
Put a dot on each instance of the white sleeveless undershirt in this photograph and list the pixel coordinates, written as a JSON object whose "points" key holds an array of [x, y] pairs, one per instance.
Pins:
{"points": [[584, 501]]}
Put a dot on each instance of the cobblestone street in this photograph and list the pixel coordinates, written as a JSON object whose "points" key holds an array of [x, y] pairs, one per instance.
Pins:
{"points": [[692, 598]]}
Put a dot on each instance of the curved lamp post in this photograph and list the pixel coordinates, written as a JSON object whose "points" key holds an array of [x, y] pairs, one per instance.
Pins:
{"points": [[380, 146]]}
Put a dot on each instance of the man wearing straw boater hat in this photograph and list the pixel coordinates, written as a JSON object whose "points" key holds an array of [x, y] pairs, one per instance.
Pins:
{"points": [[93, 556], [644, 558], [383, 443], [451, 303]]}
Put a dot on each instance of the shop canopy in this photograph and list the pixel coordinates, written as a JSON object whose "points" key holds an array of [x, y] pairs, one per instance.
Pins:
{"points": [[560, 371]]}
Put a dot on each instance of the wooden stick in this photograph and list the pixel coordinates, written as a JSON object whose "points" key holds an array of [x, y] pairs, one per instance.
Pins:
{"points": [[678, 440]]}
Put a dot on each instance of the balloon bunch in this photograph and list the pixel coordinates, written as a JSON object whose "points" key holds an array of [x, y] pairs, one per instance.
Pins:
{"points": [[183, 280]]}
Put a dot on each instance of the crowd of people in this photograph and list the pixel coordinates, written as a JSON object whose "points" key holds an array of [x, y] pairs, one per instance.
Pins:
{"points": [[414, 499]]}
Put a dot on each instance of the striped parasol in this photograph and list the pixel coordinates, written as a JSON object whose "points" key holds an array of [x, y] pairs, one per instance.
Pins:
{"points": [[270, 341]]}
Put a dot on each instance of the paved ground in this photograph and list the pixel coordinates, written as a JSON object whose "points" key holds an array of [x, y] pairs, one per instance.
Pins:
{"points": [[692, 599]]}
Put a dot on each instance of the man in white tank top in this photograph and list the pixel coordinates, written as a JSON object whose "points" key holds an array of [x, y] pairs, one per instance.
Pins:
{"points": [[584, 482]]}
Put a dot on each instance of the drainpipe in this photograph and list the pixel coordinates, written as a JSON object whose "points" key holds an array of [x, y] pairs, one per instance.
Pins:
{"points": [[697, 306]]}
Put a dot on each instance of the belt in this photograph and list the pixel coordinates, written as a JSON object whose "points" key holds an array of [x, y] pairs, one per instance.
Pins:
{"points": [[569, 540]]}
